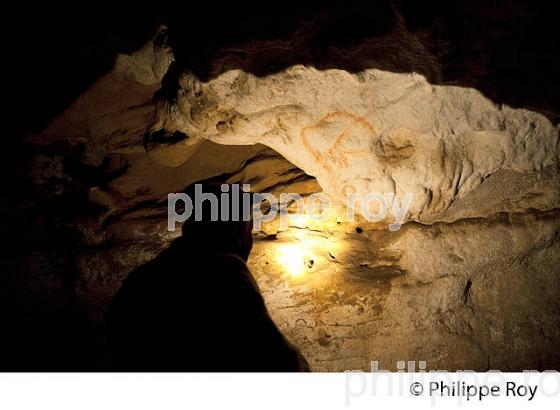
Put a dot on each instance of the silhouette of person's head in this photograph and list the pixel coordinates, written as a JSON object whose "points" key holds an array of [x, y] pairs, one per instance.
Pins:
{"points": [[221, 219]]}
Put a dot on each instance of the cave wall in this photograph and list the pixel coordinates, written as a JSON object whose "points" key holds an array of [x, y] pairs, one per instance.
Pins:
{"points": [[392, 97]]}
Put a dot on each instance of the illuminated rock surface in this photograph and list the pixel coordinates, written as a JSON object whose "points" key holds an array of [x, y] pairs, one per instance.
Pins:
{"points": [[374, 132], [471, 281]]}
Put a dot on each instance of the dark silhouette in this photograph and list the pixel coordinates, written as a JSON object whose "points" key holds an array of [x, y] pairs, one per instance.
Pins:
{"points": [[196, 307]]}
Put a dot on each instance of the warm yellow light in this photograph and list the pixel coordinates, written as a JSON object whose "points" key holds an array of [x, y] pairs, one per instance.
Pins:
{"points": [[293, 259], [296, 249], [299, 220]]}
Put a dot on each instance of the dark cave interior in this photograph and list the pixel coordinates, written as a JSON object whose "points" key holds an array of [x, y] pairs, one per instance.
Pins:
{"points": [[53, 295]]}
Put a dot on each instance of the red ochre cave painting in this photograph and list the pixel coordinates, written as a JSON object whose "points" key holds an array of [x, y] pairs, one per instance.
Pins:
{"points": [[335, 156]]}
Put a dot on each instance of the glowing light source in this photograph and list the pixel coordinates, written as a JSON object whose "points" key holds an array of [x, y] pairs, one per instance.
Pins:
{"points": [[306, 237], [294, 260]]}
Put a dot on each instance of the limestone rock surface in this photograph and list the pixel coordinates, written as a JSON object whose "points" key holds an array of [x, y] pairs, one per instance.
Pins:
{"points": [[374, 131]]}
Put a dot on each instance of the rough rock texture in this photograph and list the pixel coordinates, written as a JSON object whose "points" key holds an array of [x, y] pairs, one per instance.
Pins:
{"points": [[373, 132], [476, 294], [428, 100], [470, 295]]}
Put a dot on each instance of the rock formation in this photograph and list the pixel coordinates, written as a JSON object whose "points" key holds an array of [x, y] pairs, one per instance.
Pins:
{"points": [[404, 102], [373, 131]]}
